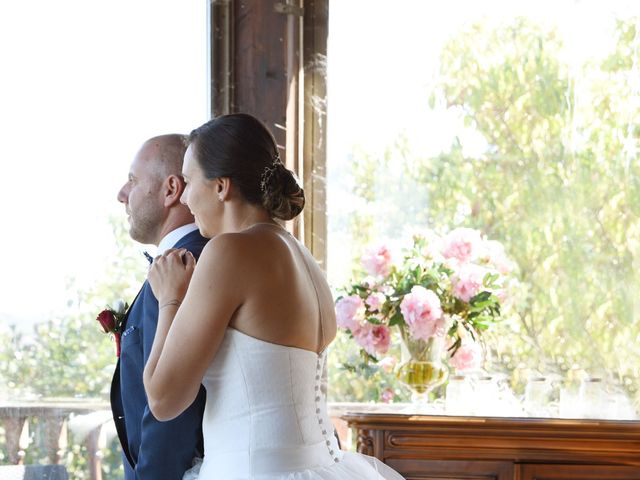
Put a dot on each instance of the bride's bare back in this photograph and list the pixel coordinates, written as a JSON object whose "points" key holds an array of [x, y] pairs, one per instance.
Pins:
{"points": [[286, 297]]}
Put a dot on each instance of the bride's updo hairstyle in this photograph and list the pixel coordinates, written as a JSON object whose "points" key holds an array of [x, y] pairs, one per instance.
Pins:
{"points": [[240, 147]]}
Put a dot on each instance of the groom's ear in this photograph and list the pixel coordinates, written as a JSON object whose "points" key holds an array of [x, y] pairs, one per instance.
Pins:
{"points": [[172, 189]]}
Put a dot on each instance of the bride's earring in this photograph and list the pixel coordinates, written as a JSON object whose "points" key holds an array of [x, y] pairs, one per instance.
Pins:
{"points": [[220, 197]]}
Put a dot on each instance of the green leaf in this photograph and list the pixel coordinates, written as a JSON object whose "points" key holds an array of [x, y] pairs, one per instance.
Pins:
{"points": [[396, 319]]}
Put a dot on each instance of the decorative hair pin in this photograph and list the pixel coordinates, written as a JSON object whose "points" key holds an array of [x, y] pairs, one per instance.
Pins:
{"points": [[268, 172]]}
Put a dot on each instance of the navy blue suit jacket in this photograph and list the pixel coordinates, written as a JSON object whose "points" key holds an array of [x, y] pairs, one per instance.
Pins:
{"points": [[153, 450]]}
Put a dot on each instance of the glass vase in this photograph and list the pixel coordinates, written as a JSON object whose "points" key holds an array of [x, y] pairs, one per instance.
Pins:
{"points": [[422, 368]]}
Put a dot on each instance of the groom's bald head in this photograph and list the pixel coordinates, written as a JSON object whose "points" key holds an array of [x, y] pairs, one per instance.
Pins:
{"points": [[152, 193]]}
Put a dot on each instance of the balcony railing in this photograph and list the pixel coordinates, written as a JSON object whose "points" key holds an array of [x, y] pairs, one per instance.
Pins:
{"points": [[90, 422]]}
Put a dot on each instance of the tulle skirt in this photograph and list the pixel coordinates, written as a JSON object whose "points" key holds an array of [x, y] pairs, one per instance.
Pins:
{"points": [[352, 466]]}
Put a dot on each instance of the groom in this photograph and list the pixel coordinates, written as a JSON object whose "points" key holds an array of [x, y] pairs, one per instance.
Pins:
{"points": [[154, 450]]}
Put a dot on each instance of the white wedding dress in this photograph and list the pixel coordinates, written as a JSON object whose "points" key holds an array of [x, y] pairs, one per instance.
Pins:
{"points": [[266, 418]]}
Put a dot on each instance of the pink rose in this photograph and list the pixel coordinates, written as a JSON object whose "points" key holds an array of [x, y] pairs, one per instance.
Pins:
{"points": [[375, 339], [375, 301], [377, 261], [387, 395], [462, 244], [382, 338], [349, 312], [421, 310], [467, 281], [441, 328], [467, 357], [362, 336]]}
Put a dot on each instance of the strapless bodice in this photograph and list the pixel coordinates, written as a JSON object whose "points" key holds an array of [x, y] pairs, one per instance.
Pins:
{"points": [[266, 409], [266, 418]]}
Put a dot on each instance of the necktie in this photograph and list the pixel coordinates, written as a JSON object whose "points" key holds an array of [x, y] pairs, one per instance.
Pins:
{"points": [[148, 257]]}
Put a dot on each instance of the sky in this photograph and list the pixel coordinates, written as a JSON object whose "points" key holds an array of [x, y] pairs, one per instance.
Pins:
{"points": [[84, 83]]}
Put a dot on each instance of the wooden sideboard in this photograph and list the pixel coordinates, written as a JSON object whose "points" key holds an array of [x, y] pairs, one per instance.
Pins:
{"points": [[423, 447]]}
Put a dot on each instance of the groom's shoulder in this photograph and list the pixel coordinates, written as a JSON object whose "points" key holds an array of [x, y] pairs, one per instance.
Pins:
{"points": [[192, 241]]}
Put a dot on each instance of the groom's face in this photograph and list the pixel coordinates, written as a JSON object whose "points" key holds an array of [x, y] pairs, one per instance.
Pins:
{"points": [[142, 198]]}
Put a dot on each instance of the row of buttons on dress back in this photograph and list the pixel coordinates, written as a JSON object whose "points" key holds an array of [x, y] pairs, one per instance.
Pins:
{"points": [[319, 406]]}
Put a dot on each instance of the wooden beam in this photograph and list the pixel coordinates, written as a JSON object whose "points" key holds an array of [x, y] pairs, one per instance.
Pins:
{"points": [[314, 151], [269, 60]]}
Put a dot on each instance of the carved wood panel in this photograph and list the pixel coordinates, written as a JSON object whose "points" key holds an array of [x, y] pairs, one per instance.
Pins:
{"points": [[437, 448], [364, 443], [449, 470], [578, 472]]}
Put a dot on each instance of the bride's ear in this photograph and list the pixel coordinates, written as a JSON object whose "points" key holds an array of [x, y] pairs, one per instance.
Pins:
{"points": [[223, 188]]}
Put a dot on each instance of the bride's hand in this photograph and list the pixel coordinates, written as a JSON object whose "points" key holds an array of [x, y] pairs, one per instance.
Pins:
{"points": [[170, 274]]}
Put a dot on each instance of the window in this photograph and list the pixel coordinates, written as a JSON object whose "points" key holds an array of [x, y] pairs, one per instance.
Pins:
{"points": [[518, 119]]}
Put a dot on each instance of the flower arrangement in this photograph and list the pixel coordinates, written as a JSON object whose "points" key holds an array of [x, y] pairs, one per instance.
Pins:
{"points": [[447, 287], [112, 321]]}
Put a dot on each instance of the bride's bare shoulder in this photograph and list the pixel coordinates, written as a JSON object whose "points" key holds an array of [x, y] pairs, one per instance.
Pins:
{"points": [[237, 246]]}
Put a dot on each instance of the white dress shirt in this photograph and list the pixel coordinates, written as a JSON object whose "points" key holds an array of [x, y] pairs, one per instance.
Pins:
{"points": [[174, 236]]}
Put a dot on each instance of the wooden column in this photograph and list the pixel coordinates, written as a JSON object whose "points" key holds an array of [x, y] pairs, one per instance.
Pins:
{"points": [[221, 51], [251, 47], [268, 59], [314, 151]]}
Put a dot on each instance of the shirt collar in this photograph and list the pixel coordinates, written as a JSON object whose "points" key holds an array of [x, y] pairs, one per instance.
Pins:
{"points": [[174, 236]]}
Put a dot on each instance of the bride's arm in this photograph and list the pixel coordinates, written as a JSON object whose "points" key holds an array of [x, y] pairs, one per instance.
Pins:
{"points": [[189, 333]]}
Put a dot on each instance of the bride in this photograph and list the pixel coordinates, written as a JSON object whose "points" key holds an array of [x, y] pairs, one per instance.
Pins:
{"points": [[251, 322]]}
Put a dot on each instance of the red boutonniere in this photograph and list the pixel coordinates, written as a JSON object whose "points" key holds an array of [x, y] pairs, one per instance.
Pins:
{"points": [[111, 320]]}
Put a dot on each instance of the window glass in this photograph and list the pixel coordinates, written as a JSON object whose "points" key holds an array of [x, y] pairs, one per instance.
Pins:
{"points": [[518, 119]]}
